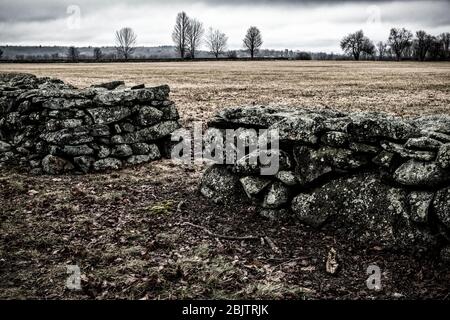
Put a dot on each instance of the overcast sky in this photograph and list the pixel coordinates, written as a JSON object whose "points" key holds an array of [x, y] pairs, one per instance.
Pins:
{"points": [[302, 24]]}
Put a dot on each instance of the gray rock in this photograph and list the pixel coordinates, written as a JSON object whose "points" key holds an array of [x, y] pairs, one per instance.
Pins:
{"points": [[361, 208], [107, 164], [443, 157], [104, 152], [277, 196], [220, 185], [118, 139], [302, 128], [157, 131], [366, 126], [423, 143], [313, 164], [335, 139], [55, 165], [107, 115], [84, 163], [287, 177], [81, 150], [122, 151], [117, 128], [420, 204], [441, 206], [134, 160], [384, 159], [263, 162], [407, 153], [254, 185], [110, 85], [138, 86], [140, 148], [170, 112], [127, 127], [4, 147], [438, 122], [274, 214], [445, 138], [71, 123], [445, 254], [420, 174], [68, 136], [66, 104], [363, 148], [148, 116], [100, 130]]}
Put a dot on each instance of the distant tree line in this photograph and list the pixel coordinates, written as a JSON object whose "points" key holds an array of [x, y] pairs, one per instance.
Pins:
{"points": [[189, 34], [400, 45]]}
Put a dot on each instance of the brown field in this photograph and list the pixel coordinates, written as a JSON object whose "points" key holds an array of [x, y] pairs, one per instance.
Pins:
{"points": [[125, 229], [201, 88]]}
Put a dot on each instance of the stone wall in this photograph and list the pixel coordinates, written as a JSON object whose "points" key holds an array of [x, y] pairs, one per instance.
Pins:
{"points": [[373, 178], [51, 127]]}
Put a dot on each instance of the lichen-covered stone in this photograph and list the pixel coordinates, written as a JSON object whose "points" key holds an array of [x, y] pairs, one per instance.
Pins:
{"points": [[312, 164], [42, 116], [419, 205], [287, 177], [56, 165], [220, 185], [107, 115], [335, 139], [107, 164], [277, 195], [363, 209], [423, 143], [443, 157], [254, 185], [441, 206], [420, 174], [148, 116], [122, 151], [407, 153]]}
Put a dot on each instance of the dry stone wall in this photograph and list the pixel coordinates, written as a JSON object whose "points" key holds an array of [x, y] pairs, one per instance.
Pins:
{"points": [[51, 127], [374, 178]]}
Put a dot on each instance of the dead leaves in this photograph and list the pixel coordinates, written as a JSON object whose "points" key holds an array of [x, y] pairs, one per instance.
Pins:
{"points": [[332, 265]]}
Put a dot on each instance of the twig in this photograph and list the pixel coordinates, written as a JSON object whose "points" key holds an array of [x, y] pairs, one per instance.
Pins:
{"points": [[221, 236], [180, 205], [272, 245]]}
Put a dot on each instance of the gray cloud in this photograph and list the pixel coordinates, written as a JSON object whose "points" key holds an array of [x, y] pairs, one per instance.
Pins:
{"points": [[296, 24]]}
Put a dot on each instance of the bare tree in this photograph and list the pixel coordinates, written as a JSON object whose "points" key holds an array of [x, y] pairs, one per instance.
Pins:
{"points": [[444, 38], [216, 42], [98, 54], [382, 50], [356, 43], [73, 54], [180, 34], [422, 44], [399, 41], [125, 42], [253, 41], [195, 33]]}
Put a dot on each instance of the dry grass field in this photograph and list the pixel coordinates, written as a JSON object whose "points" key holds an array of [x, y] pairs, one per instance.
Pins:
{"points": [[125, 229], [201, 88]]}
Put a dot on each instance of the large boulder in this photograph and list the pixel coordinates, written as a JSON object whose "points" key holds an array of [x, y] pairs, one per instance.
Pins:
{"points": [[56, 165], [420, 174], [362, 208], [220, 185]]}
